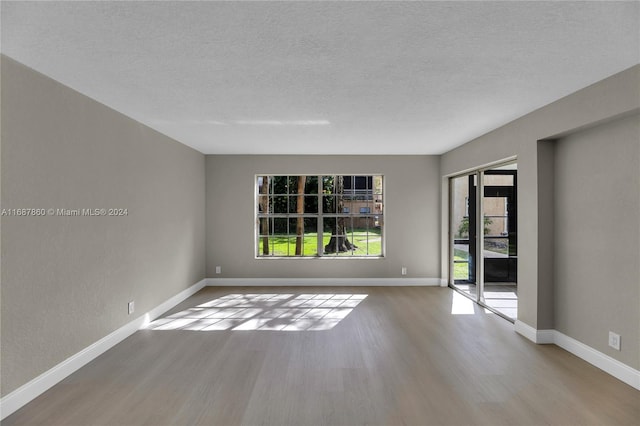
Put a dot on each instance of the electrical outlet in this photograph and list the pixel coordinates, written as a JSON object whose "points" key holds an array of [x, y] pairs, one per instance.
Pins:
{"points": [[218, 269], [131, 307], [404, 270], [614, 340]]}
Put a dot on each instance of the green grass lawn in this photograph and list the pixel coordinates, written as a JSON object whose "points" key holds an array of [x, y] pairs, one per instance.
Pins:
{"points": [[369, 244], [460, 270]]}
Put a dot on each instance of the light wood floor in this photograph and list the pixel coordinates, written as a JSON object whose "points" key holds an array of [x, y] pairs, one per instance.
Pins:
{"points": [[399, 358]]}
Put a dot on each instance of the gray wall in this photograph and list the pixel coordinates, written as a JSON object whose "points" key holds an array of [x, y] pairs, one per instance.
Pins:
{"points": [[616, 96], [66, 281], [412, 216], [597, 239]]}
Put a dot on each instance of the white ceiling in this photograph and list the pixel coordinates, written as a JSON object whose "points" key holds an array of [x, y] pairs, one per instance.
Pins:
{"points": [[324, 77]]}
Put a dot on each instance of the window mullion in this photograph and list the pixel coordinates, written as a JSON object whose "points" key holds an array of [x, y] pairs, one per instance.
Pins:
{"points": [[320, 246]]}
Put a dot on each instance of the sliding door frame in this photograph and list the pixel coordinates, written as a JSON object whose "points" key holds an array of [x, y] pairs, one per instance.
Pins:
{"points": [[479, 241]]}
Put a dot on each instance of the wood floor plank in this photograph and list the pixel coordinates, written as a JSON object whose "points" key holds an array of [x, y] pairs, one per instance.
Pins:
{"points": [[399, 357]]}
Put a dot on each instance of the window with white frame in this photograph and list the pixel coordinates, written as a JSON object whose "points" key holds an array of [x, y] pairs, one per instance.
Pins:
{"points": [[319, 215]]}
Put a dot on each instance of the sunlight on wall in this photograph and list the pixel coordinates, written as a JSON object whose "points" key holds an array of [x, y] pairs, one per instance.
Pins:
{"points": [[286, 312]]}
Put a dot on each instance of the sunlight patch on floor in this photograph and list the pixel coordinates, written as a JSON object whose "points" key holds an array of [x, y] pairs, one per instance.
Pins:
{"points": [[281, 312], [461, 305], [502, 298]]}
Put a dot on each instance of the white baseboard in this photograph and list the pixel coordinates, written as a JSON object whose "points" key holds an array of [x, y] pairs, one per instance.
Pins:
{"points": [[541, 337], [321, 282], [604, 362], [34, 388], [545, 337], [525, 330], [170, 303]]}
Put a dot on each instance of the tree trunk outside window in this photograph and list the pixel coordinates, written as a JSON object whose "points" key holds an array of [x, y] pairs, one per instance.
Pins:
{"points": [[300, 210], [339, 243]]}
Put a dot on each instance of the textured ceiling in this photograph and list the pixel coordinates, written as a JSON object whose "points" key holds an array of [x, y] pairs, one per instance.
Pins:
{"points": [[324, 77]]}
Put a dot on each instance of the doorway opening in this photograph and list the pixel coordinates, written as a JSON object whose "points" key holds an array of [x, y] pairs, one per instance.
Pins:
{"points": [[483, 223]]}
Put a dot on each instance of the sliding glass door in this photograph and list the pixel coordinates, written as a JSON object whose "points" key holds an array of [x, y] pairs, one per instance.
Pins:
{"points": [[500, 240], [463, 231], [483, 230]]}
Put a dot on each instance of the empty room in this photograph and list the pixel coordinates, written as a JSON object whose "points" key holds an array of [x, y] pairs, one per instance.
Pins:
{"points": [[320, 213]]}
